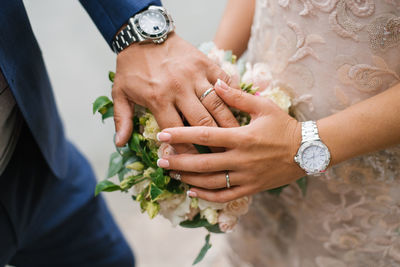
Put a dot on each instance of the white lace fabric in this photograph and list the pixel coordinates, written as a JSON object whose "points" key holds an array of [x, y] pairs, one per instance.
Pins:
{"points": [[328, 54]]}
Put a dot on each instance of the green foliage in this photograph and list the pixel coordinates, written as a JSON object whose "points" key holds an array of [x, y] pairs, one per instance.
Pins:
{"points": [[277, 191], [155, 192], [106, 186], [104, 106], [203, 250], [115, 165], [199, 222], [302, 183], [111, 76]]}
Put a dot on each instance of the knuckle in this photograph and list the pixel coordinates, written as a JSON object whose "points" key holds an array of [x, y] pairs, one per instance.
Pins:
{"points": [[217, 104], [204, 135], [205, 120]]}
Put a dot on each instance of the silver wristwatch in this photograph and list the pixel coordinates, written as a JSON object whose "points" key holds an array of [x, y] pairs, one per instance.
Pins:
{"points": [[313, 155], [152, 25]]}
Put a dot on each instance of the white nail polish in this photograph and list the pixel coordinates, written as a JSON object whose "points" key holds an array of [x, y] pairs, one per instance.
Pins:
{"points": [[219, 82], [158, 137]]}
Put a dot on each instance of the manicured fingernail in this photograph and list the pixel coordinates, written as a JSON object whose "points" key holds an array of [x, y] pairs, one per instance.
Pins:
{"points": [[163, 137], [191, 194], [162, 163], [222, 85]]}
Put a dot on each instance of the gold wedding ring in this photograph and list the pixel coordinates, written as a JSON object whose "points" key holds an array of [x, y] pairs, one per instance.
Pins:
{"points": [[206, 93], [228, 181]]}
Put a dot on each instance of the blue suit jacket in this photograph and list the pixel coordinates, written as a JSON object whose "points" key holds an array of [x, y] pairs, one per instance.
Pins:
{"points": [[22, 65]]}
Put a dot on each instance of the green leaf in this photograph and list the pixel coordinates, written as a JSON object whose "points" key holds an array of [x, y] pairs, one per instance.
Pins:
{"points": [[115, 165], [197, 222], [106, 186], [155, 192], [122, 173], [111, 76], [214, 229], [101, 103], [134, 144], [175, 187], [108, 114], [302, 182], [158, 178], [277, 191], [203, 250], [228, 56]]}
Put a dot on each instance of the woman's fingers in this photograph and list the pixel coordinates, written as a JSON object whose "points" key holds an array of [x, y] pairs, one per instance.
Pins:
{"points": [[222, 195], [206, 136], [241, 100], [199, 163], [215, 180]]}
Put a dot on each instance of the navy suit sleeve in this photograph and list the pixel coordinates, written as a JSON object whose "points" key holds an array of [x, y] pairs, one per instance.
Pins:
{"points": [[110, 15]]}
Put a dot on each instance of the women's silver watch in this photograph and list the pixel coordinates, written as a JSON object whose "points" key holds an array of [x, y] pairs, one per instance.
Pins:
{"points": [[151, 25], [313, 155]]}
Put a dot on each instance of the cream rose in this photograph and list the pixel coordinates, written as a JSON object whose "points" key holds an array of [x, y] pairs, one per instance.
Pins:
{"points": [[211, 215], [238, 207], [259, 75], [227, 222], [175, 208], [165, 150], [279, 97], [151, 128], [217, 55]]}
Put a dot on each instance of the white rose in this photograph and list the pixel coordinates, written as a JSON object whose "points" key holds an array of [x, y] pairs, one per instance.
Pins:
{"points": [[151, 128], [217, 55], [227, 222], [165, 150], [279, 97], [211, 215], [259, 75], [175, 208], [238, 207]]}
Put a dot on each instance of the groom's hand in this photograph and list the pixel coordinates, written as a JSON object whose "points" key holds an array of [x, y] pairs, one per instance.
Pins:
{"points": [[168, 79]]}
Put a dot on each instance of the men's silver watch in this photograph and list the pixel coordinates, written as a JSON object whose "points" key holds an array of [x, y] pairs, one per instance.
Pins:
{"points": [[151, 25], [313, 155]]}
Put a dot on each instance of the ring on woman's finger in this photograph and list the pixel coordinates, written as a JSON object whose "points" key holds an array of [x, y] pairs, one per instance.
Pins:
{"points": [[228, 180], [177, 176], [206, 93]]}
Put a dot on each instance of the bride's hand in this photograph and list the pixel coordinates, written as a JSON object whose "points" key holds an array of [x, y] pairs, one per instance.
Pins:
{"points": [[258, 156]]}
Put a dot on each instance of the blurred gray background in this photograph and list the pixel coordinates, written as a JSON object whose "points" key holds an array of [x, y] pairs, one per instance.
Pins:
{"points": [[78, 60]]}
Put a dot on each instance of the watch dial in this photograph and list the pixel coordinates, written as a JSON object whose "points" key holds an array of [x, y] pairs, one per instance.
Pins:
{"points": [[152, 22], [314, 158]]}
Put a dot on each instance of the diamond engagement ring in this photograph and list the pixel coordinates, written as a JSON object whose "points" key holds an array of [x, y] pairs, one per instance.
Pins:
{"points": [[228, 181], [206, 93], [177, 176]]}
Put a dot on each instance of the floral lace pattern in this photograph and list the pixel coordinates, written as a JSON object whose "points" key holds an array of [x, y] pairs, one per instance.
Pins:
{"points": [[329, 54]]}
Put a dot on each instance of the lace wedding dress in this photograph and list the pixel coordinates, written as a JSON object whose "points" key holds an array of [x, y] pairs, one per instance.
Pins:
{"points": [[329, 54]]}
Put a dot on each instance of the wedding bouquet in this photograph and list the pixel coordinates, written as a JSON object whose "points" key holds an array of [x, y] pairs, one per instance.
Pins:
{"points": [[157, 193]]}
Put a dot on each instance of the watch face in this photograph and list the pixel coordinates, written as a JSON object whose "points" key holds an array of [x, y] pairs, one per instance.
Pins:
{"points": [[152, 23], [315, 157]]}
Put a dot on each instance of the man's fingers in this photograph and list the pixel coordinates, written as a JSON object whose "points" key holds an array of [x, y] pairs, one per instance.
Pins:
{"points": [[123, 114], [222, 195], [201, 135], [195, 113], [214, 72], [243, 101], [214, 104]]}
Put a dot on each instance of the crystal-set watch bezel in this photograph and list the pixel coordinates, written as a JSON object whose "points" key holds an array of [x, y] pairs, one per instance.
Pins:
{"points": [[299, 157]]}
